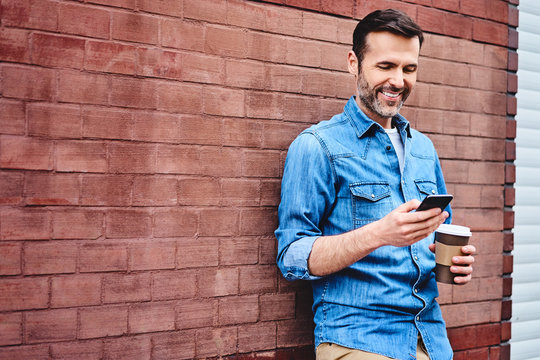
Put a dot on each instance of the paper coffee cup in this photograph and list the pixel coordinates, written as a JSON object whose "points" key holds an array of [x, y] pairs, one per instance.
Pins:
{"points": [[448, 242]]}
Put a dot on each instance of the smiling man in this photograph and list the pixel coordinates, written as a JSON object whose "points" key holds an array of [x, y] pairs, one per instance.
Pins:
{"points": [[347, 221]]}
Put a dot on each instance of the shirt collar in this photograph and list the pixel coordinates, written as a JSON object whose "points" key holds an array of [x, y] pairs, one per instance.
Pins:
{"points": [[362, 123]]}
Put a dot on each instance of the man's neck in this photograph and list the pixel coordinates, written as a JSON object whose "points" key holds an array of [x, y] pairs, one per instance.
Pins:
{"points": [[386, 123]]}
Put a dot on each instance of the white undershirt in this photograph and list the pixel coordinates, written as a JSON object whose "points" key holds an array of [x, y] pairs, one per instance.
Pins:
{"points": [[398, 145]]}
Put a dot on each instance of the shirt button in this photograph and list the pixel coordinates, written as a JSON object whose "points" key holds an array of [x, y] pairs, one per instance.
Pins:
{"points": [[416, 258], [415, 290], [403, 182], [433, 191], [372, 196], [418, 318]]}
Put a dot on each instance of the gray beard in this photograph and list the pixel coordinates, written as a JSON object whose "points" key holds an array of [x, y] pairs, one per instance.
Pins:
{"points": [[369, 98]]}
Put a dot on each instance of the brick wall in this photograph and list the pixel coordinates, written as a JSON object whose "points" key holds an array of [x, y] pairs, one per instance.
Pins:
{"points": [[141, 148]]}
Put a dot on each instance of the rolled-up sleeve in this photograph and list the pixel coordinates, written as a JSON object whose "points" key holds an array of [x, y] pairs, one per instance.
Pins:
{"points": [[307, 194]]}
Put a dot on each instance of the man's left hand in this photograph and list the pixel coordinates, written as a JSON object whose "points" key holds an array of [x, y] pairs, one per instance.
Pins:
{"points": [[463, 264]]}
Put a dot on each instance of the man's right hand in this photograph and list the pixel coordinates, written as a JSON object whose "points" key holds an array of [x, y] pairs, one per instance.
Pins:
{"points": [[404, 227], [401, 227]]}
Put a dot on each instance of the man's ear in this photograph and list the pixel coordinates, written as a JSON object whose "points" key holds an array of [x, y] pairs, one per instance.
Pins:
{"points": [[352, 63]]}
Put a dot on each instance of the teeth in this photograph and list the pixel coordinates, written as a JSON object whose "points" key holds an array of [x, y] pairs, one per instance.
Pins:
{"points": [[390, 94]]}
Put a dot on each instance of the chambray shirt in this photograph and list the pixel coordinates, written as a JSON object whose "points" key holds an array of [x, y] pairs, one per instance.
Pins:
{"points": [[342, 174]]}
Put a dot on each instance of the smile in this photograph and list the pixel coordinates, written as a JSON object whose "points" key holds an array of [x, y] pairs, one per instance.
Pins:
{"points": [[391, 95]]}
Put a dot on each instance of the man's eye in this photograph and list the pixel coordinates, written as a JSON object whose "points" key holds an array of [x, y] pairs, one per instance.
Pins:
{"points": [[384, 67], [409, 70]]}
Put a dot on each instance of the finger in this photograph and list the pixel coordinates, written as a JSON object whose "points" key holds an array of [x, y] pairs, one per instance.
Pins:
{"points": [[462, 280], [426, 227], [461, 270], [468, 249], [431, 224], [432, 214], [432, 247], [409, 206], [463, 260], [422, 233]]}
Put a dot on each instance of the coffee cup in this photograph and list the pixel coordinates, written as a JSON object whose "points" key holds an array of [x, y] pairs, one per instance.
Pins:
{"points": [[448, 242]]}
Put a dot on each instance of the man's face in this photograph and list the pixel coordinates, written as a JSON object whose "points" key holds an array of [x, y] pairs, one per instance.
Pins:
{"points": [[387, 75]]}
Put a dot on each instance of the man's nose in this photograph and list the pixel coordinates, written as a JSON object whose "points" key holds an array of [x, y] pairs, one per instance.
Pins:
{"points": [[396, 80]]}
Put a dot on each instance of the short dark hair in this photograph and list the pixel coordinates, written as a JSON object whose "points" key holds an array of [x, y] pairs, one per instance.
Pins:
{"points": [[390, 20]]}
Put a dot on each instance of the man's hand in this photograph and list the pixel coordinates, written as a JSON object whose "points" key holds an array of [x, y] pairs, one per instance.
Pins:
{"points": [[402, 227], [463, 264]]}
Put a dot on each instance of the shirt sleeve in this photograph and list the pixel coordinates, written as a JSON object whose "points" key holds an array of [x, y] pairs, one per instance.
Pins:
{"points": [[307, 195]]}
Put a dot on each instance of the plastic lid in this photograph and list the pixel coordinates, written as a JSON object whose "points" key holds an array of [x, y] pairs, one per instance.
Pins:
{"points": [[456, 230]]}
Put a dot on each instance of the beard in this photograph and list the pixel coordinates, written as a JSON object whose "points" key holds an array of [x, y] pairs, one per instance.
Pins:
{"points": [[369, 98]]}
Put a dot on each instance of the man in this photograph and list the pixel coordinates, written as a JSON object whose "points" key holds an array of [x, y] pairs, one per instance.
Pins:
{"points": [[347, 220]]}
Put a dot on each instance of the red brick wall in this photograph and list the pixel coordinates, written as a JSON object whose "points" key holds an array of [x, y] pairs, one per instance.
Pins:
{"points": [[141, 148]]}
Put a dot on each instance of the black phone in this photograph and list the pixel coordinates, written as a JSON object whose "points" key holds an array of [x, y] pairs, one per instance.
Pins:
{"points": [[433, 201]]}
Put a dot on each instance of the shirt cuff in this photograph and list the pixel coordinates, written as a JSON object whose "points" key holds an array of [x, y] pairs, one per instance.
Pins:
{"points": [[295, 263]]}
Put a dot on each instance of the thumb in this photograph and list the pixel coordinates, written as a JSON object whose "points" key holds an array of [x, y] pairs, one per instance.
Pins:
{"points": [[408, 206]]}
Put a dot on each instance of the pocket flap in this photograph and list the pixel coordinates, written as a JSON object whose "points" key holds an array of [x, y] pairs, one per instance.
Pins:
{"points": [[370, 191], [426, 187]]}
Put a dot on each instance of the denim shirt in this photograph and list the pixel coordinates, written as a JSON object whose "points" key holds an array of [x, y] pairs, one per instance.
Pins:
{"points": [[342, 174]]}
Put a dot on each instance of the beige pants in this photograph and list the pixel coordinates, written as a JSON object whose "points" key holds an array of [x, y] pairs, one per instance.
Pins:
{"points": [[327, 351]]}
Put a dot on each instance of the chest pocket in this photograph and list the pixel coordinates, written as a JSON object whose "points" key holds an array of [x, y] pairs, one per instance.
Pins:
{"points": [[425, 188], [370, 202]]}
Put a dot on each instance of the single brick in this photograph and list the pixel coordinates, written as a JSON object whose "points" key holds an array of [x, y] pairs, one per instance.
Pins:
{"points": [[10, 262], [51, 325], [24, 224], [84, 88], [238, 310], [76, 290], [28, 82], [110, 57], [174, 345], [55, 50], [152, 255], [45, 120], [216, 341], [13, 119], [106, 190], [170, 222], [81, 156], [103, 257], [51, 189], [135, 27], [11, 329], [128, 223], [25, 153], [136, 348], [24, 293], [14, 45], [50, 258], [103, 321], [89, 224], [174, 285], [196, 313], [151, 317], [83, 20], [120, 288]]}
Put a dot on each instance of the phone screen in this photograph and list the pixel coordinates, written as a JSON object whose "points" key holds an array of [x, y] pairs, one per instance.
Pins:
{"points": [[433, 201]]}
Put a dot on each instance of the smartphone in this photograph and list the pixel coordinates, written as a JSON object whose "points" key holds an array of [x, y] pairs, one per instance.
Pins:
{"points": [[433, 201]]}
